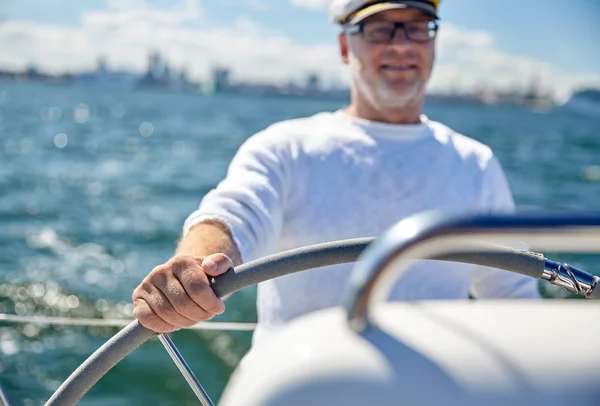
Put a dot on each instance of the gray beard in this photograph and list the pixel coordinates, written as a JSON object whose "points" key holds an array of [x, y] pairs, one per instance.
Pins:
{"points": [[380, 96]]}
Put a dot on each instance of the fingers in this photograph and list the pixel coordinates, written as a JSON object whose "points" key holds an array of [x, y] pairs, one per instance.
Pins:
{"points": [[197, 285], [160, 305], [181, 302], [178, 293], [149, 319], [215, 264]]}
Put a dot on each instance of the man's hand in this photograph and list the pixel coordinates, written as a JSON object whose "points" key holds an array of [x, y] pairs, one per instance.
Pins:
{"points": [[178, 293]]}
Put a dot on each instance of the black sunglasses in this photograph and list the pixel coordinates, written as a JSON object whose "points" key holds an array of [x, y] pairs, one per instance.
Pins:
{"points": [[384, 31]]}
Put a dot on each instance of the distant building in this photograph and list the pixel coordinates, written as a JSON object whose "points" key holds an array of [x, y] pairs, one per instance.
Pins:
{"points": [[102, 66], [104, 75], [313, 83], [182, 78], [32, 72], [220, 80], [156, 73], [534, 97]]}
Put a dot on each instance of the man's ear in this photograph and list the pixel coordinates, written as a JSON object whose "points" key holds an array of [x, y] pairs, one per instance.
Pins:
{"points": [[343, 42]]}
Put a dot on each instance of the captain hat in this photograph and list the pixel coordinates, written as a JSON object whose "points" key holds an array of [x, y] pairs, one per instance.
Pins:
{"points": [[354, 11]]}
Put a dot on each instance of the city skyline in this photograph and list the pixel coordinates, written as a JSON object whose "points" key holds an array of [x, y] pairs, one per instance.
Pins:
{"points": [[68, 36], [160, 74]]}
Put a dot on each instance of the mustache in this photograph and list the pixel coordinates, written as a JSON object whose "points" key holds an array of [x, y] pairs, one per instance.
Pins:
{"points": [[393, 55]]}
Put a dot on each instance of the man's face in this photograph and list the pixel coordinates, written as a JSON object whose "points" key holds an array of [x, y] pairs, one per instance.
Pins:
{"points": [[390, 73]]}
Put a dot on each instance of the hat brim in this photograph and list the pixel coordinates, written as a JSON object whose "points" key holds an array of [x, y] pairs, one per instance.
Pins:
{"points": [[379, 7]]}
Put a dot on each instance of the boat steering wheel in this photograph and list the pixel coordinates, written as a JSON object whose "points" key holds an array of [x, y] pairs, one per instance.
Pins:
{"points": [[424, 236]]}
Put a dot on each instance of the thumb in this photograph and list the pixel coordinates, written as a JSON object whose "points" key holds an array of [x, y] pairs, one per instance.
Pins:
{"points": [[215, 264]]}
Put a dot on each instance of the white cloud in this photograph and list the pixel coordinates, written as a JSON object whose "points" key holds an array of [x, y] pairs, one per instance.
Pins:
{"points": [[127, 34], [311, 4], [470, 59], [127, 31], [122, 12]]}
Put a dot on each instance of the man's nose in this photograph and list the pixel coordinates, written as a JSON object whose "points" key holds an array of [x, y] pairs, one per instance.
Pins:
{"points": [[401, 37]]}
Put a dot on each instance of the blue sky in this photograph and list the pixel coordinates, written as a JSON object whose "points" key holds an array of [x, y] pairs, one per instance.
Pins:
{"points": [[562, 32], [499, 43]]}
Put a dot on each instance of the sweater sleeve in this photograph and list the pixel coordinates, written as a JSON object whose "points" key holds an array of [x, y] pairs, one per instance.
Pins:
{"points": [[494, 283], [249, 201]]}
